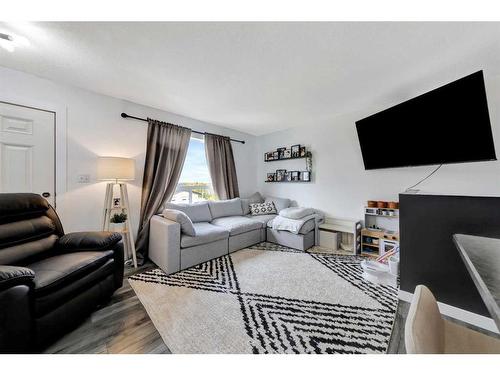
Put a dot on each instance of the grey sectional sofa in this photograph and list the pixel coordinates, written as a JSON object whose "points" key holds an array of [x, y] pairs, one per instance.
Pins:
{"points": [[214, 229]]}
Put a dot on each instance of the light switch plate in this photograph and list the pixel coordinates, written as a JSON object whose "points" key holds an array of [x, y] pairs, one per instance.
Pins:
{"points": [[83, 178]]}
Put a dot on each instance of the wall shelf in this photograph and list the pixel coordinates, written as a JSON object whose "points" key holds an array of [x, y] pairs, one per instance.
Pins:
{"points": [[297, 157]]}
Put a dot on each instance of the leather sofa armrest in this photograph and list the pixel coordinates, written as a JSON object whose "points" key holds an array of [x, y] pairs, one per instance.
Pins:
{"points": [[12, 276], [15, 315], [96, 241], [88, 241]]}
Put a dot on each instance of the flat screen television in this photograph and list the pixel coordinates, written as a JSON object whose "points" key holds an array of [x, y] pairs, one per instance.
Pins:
{"points": [[450, 124]]}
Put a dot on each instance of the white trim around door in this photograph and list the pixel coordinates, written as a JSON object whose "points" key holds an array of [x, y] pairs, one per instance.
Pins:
{"points": [[60, 112]]}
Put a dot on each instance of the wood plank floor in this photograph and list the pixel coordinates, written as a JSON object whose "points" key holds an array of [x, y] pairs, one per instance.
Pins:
{"points": [[121, 326]]}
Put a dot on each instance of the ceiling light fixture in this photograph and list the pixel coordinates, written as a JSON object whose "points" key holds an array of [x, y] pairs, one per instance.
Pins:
{"points": [[9, 42]]}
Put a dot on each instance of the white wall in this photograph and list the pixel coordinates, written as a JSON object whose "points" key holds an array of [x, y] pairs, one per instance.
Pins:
{"points": [[340, 184], [95, 128]]}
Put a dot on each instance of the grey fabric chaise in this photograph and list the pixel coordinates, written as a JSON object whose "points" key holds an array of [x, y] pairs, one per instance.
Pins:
{"points": [[189, 234]]}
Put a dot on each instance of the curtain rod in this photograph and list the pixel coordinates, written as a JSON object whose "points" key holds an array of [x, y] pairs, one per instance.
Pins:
{"points": [[124, 115]]}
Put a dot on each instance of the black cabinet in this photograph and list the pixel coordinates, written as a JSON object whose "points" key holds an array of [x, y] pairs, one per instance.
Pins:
{"points": [[428, 254]]}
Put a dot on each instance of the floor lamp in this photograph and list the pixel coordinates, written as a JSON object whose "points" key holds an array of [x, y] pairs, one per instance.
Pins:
{"points": [[118, 169]]}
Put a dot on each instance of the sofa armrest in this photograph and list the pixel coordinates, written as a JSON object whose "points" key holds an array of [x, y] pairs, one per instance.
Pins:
{"points": [[165, 243], [88, 241], [96, 241], [15, 315], [11, 276]]}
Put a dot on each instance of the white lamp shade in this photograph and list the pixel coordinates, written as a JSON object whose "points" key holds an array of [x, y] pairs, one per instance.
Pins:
{"points": [[111, 168]]}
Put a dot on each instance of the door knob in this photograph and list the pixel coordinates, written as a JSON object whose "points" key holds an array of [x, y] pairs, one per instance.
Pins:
{"points": [[46, 194]]}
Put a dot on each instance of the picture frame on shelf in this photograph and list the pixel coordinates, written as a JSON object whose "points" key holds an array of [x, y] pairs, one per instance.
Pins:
{"points": [[276, 155], [305, 176], [288, 176], [295, 151], [271, 177], [302, 152], [295, 175], [281, 152], [268, 156], [287, 154], [280, 175]]}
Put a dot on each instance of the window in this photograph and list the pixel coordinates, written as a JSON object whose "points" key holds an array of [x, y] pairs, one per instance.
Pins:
{"points": [[194, 184]]}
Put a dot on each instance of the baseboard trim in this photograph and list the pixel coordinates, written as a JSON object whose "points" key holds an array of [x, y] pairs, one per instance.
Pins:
{"points": [[456, 313]]}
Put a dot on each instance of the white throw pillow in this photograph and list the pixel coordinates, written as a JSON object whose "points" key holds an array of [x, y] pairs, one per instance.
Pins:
{"points": [[262, 208]]}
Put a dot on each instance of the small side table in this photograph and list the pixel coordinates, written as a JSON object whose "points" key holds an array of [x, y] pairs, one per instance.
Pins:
{"points": [[128, 237], [345, 227]]}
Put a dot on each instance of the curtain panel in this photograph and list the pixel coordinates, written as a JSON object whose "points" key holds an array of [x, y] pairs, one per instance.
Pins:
{"points": [[220, 158], [167, 146]]}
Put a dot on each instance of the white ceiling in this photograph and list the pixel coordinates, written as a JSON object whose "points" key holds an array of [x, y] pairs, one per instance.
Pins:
{"points": [[256, 77]]}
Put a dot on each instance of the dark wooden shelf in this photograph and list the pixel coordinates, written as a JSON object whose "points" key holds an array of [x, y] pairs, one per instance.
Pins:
{"points": [[298, 157]]}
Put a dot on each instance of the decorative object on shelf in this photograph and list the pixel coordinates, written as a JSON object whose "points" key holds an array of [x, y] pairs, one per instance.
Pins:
{"points": [[305, 176], [393, 205], [118, 169], [288, 176], [309, 166], [117, 202], [284, 153], [371, 204], [295, 175], [388, 212], [280, 175], [117, 222], [381, 204], [270, 177]]}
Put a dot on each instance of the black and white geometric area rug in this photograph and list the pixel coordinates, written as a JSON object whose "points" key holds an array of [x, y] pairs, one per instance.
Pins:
{"points": [[269, 299]]}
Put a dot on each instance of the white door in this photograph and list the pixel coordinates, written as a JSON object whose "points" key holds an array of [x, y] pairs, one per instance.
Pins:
{"points": [[27, 154]]}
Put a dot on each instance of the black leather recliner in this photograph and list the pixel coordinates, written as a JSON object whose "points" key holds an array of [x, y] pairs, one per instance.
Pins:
{"points": [[49, 281]]}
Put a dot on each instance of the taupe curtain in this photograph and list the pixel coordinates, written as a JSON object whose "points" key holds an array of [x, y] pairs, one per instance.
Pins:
{"points": [[167, 146], [219, 152]]}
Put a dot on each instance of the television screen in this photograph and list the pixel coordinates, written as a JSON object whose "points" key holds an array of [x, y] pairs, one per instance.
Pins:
{"points": [[450, 124]]}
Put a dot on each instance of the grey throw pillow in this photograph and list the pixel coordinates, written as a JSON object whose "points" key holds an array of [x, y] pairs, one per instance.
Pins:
{"points": [[279, 203], [181, 218], [262, 208], [229, 207], [245, 202], [197, 212]]}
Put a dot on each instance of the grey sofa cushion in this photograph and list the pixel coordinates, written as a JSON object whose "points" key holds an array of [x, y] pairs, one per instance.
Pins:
{"points": [[197, 212], [205, 233], [254, 198], [237, 224], [230, 207], [264, 219], [181, 218], [279, 203]]}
